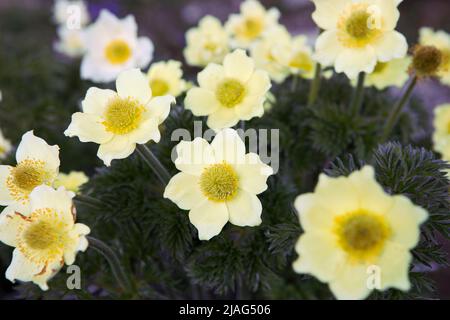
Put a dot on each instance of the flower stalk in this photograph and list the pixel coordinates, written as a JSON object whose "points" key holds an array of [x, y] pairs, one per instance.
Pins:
{"points": [[88, 201], [152, 161], [113, 261], [315, 85], [358, 95], [396, 111]]}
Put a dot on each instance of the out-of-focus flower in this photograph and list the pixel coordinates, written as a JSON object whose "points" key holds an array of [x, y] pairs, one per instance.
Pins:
{"points": [[209, 42], [297, 57], [357, 34], [112, 46], [230, 92], [70, 42], [250, 24], [166, 77], [45, 236], [441, 40], [218, 183], [353, 229], [5, 146], [72, 14], [37, 164], [386, 74], [117, 121], [71, 181], [441, 135], [267, 51]]}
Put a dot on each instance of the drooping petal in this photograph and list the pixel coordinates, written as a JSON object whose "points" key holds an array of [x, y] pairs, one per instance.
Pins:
{"points": [[245, 209], [253, 174], [228, 146], [222, 118], [78, 242], [133, 83], [118, 147], [194, 156], [209, 218], [32, 147], [21, 268], [201, 101], [238, 65], [184, 190], [327, 48], [88, 128], [353, 61], [392, 45]]}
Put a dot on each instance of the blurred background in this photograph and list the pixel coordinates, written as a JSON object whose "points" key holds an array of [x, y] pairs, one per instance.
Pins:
{"points": [[41, 88]]}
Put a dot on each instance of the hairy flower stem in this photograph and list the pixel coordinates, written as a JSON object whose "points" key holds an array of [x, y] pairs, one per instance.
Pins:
{"points": [[88, 201], [153, 162], [113, 261], [358, 94], [294, 83], [315, 85], [397, 110]]}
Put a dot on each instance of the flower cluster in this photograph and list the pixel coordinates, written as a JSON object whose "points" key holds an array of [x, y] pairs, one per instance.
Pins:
{"points": [[350, 224]]}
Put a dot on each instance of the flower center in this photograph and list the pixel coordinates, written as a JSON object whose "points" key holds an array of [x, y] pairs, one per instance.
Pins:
{"points": [[302, 61], [159, 87], [122, 115], [25, 176], [362, 234], [380, 67], [117, 52], [230, 93], [252, 27], [359, 25], [427, 60], [219, 182], [42, 236]]}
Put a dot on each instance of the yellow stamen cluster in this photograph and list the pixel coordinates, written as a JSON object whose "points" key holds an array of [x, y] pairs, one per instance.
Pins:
{"points": [[230, 93], [252, 27], [42, 236], [159, 87], [219, 182], [302, 61], [361, 234], [25, 176], [122, 115], [357, 26], [117, 52]]}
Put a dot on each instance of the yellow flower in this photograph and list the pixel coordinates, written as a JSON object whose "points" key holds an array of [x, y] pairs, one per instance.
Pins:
{"points": [[113, 46], [166, 77], [117, 121], [5, 146], [251, 23], [72, 181], [218, 183], [387, 74], [441, 40], [441, 135], [297, 56], [206, 43], [37, 164], [356, 236], [45, 236], [230, 92], [357, 34], [266, 53]]}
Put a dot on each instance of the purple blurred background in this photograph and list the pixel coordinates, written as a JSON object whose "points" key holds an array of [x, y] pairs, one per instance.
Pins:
{"points": [[165, 22]]}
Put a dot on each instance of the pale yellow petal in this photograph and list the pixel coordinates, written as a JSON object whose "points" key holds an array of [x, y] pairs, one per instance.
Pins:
{"points": [[201, 102], [133, 83], [9, 224], [391, 45], [96, 100], [184, 190], [353, 61], [238, 65], [159, 107], [350, 282], [228, 146], [211, 76], [222, 118], [88, 128], [194, 156], [32, 147], [117, 148], [394, 267], [209, 218], [327, 12], [245, 209], [253, 174]]}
